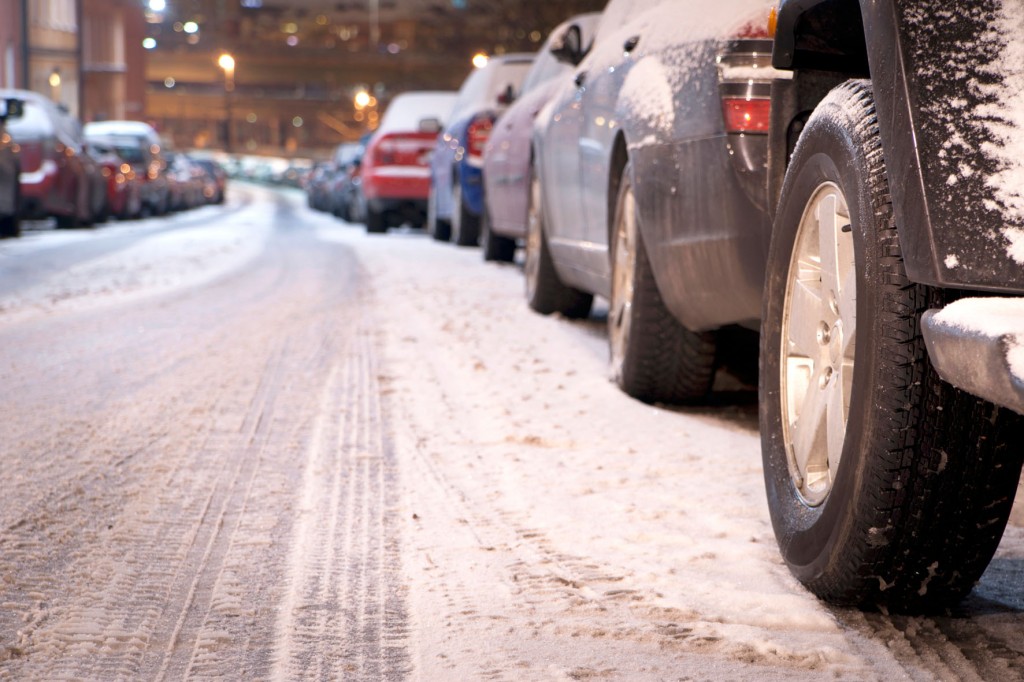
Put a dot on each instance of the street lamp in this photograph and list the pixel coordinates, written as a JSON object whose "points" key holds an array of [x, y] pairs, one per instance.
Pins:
{"points": [[227, 62]]}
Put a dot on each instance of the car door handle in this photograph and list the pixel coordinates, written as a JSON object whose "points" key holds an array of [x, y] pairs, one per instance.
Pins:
{"points": [[630, 44], [580, 79]]}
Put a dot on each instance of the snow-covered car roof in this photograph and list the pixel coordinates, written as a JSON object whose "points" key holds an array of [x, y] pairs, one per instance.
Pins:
{"points": [[408, 110]]}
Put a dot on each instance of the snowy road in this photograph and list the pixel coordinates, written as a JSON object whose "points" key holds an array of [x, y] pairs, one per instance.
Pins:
{"points": [[252, 442]]}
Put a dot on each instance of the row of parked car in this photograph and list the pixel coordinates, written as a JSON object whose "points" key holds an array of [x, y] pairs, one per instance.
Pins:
{"points": [[53, 167], [812, 179]]}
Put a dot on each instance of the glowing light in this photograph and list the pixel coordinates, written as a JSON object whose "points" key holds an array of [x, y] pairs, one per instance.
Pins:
{"points": [[362, 99], [292, 41], [158, 5], [190, 27], [149, 43], [480, 60], [169, 82], [297, 121], [55, 79], [226, 62]]}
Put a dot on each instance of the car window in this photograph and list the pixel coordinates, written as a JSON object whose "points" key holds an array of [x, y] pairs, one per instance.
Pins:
{"points": [[506, 74], [473, 88], [544, 68]]}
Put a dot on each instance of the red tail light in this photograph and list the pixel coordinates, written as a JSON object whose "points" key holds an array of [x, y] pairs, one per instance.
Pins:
{"points": [[476, 135], [746, 115]]}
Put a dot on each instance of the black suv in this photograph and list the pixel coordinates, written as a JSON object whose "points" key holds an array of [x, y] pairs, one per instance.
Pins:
{"points": [[891, 374]]}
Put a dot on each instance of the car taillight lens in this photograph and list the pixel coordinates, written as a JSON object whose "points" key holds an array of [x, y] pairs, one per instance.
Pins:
{"points": [[476, 135], [385, 153], [743, 115]]}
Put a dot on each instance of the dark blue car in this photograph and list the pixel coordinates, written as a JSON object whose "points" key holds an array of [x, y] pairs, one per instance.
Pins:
{"points": [[456, 190]]}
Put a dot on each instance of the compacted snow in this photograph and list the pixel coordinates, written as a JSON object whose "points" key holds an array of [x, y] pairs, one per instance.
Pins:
{"points": [[367, 459]]}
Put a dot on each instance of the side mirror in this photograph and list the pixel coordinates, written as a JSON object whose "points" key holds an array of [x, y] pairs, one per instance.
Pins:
{"points": [[507, 96], [568, 48], [430, 125], [12, 108]]}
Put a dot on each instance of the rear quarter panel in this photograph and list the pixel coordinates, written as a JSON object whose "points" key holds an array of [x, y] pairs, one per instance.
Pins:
{"points": [[706, 238]]}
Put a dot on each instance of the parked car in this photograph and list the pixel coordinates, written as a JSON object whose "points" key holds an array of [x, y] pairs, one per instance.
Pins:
{"points": [[124, 188], [215, 180], [186, 182], [10, 223], [894, 304], [395, 171], [316, 186], [344, 181], [57, 177], [456, 185], [139, 144], [506, 169], [649, 188]]}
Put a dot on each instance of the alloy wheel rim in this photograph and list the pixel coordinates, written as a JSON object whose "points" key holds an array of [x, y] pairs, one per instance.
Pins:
{"points": [[818, 343], [620, 315]]}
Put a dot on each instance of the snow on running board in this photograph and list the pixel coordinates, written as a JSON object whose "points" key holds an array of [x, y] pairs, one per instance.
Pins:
{"points": [[977, 344]]}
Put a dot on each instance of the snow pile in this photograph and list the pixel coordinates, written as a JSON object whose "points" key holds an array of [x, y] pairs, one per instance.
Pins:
{"points": [[647, 94], [557, 529], [157, 263]]}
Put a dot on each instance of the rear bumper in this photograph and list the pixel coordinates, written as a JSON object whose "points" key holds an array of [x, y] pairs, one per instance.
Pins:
{"points": [[39, 195], [977, 344], [397, 182]]}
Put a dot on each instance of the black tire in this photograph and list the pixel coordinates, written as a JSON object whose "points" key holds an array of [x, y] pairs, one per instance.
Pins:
{"points": [[440, 230], [545, 292], [896, 494], [653, 357], [67, 222], [495, 247], [10, 225], [465, 226], [375, 221]]}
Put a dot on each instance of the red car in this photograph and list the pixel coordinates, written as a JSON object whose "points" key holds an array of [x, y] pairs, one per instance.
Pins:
{"points": [[396, 166], [124, 187], [57, 177]]}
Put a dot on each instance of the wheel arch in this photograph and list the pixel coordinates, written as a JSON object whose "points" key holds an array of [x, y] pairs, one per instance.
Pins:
{"points": [[617, 162], [952, 232], [825, 42]]}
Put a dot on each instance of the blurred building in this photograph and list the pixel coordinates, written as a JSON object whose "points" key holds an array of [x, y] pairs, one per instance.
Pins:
{"points": [[12, 57], [52, 52], [113, 59], [298, 65], [86, 55]]}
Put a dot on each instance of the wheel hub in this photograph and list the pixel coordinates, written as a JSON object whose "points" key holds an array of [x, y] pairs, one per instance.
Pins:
{"points": [[818, 333]]}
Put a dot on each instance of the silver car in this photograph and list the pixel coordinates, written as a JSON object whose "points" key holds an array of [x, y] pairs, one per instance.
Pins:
{"points": [[649, 187]]}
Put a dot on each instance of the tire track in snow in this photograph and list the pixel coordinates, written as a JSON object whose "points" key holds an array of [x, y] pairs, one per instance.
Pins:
{"points": [[194, 588], [343, 615]]}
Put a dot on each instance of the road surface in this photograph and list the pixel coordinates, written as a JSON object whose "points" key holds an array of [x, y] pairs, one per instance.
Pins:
{"points": [[253, 442]]}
